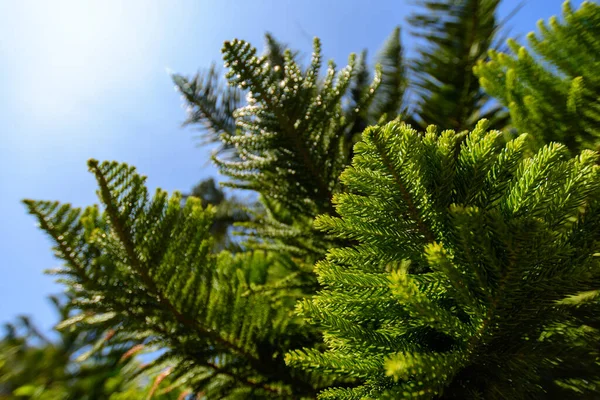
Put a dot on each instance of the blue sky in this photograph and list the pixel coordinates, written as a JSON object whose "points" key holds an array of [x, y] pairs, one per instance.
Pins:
{"points": [[87, 79]]}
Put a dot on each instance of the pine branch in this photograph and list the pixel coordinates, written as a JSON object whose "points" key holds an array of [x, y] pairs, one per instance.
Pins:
{"points": [[210, 104], [291, 139], [146, 266], [133, 260], [414, 214]]}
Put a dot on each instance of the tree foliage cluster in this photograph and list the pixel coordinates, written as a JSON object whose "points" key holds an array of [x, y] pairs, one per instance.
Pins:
{"points": [[413, 237]]}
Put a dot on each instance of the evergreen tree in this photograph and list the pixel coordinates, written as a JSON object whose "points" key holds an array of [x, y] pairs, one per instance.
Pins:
{"points": [[448, 264], [227, 320], [553, 94]]}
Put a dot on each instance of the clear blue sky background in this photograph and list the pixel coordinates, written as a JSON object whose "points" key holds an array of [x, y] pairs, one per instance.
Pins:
{"points": [[82, 79]]}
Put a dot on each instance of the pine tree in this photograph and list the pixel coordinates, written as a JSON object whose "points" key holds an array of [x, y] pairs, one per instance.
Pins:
{"points": [[553, 93], [448, 264], [226, 319]]}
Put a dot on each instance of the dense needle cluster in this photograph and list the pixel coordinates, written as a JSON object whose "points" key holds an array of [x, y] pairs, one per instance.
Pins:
{"points": [[467, 251]]}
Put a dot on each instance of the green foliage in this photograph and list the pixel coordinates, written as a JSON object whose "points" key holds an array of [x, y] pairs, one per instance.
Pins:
{"points": [[466, 250], [458, 34], [214, 103], [389, 96], [448, 264], [296, 132], [290, 140], [303, 117], [145, 266], [389, 99], [554, 92]]}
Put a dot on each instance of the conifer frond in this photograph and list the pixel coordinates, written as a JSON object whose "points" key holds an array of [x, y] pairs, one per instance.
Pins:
{"points": [[210, 103], [145, 264], [290, 137], [457, 34], [359, 88], [389, 99], [552, 90], [470, 262]]}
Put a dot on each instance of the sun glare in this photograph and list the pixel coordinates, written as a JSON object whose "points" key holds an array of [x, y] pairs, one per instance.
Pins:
{"points": [[75, 50]]}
